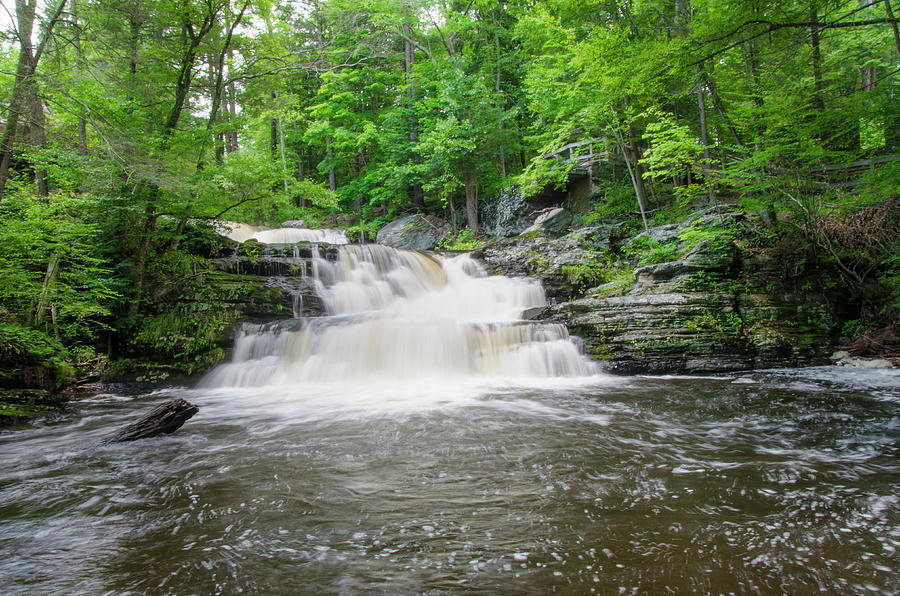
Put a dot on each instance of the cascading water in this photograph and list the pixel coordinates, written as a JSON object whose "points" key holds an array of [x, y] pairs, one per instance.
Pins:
{"points": [[292, 235], [240, 232], [398, 318]]}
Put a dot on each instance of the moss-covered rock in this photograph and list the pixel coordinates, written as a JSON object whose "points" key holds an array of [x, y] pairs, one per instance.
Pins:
{"points": [[18, 406], [713, 306]]}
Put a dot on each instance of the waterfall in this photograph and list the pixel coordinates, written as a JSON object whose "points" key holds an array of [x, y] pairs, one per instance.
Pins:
{"points": [[293, 235], [399, 316], [240, 232]]}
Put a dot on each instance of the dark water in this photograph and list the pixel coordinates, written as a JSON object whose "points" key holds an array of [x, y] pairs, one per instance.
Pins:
{"points": [[759, 483]]}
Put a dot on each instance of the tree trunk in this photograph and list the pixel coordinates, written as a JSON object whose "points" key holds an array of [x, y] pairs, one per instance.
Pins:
{"points": [[37, 130], [471, 199], [714, 94], [24, 71], [140, 261], [79, 68], [164, 419], [631, 151], [818, 85], [49, 279], [503, 165], [232, 145], [273, 132], [750, 62], [704, 136], [416, 194], [890, 13], [332, 178]]}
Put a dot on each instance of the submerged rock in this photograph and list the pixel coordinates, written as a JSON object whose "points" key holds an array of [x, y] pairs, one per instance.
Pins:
{"points": [[414, 232]]}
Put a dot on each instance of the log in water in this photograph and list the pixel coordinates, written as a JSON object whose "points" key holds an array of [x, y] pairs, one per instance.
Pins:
{"points": [[164, 419]]}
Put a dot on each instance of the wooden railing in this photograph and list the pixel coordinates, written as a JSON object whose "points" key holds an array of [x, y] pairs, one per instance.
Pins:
{"points": [[849, 175], [580, 152]]}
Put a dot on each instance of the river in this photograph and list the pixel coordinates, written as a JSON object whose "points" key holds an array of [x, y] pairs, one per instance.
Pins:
{"points": [[358, 453]]}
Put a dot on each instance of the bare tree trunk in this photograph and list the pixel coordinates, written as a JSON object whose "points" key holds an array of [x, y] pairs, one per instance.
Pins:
{"points": [[79, 68], [818, 102], [471, 199], [273, 132], [24, 71], [894, 29], [284, 173], [49, 279], [631, 151], [232, 145], [37, 129], [332, 179], [417, 195], [704, 136], [140, 261], [750, 62], [714, 94], [503, 165]]}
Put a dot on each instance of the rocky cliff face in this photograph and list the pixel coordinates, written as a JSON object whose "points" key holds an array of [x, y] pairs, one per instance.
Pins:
{"points": [[715, 303]]}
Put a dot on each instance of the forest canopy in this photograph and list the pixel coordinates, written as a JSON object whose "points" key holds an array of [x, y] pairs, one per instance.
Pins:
{"points": [[126, 123]]}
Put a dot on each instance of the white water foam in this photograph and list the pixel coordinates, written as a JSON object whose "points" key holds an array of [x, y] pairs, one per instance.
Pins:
{"points": [[240, 232], [404, 330]]}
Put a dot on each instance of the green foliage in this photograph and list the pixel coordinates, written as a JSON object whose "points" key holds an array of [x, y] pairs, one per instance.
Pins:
{"points": [[618, 280], [27, 344], [583, 276], [252, 188], [716, 235], [51, 263], [647, 251], [464, 241], [617, 201], [720, 321], [322, 94]]}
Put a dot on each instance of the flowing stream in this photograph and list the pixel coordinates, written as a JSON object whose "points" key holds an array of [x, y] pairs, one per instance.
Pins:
{"points": [[423, 438]]}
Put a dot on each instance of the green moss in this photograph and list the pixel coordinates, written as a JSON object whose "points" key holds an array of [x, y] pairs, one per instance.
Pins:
{"points": [[618, 280], [464, 241], [19, 405]]}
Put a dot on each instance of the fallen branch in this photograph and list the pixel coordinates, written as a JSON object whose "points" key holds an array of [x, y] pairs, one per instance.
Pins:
{"points": [[164, 419]]}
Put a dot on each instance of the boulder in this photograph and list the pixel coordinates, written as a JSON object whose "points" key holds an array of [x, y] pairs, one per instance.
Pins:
{"points": [[414, 232], [553, 221], [294, 223], [507, 214]]}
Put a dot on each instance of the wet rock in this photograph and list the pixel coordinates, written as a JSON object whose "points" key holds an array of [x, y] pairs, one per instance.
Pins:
{"points": [[18, 406], [414, 232], [553, 221], [294, 223], [843, 358], [714, 308], [507, 214]]}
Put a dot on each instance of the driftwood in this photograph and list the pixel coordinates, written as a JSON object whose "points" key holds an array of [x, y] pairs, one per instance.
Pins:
{"points": [[165, 418]]}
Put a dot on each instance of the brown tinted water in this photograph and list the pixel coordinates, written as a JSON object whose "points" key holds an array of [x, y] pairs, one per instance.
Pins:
{"points": [[756, 483]]}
